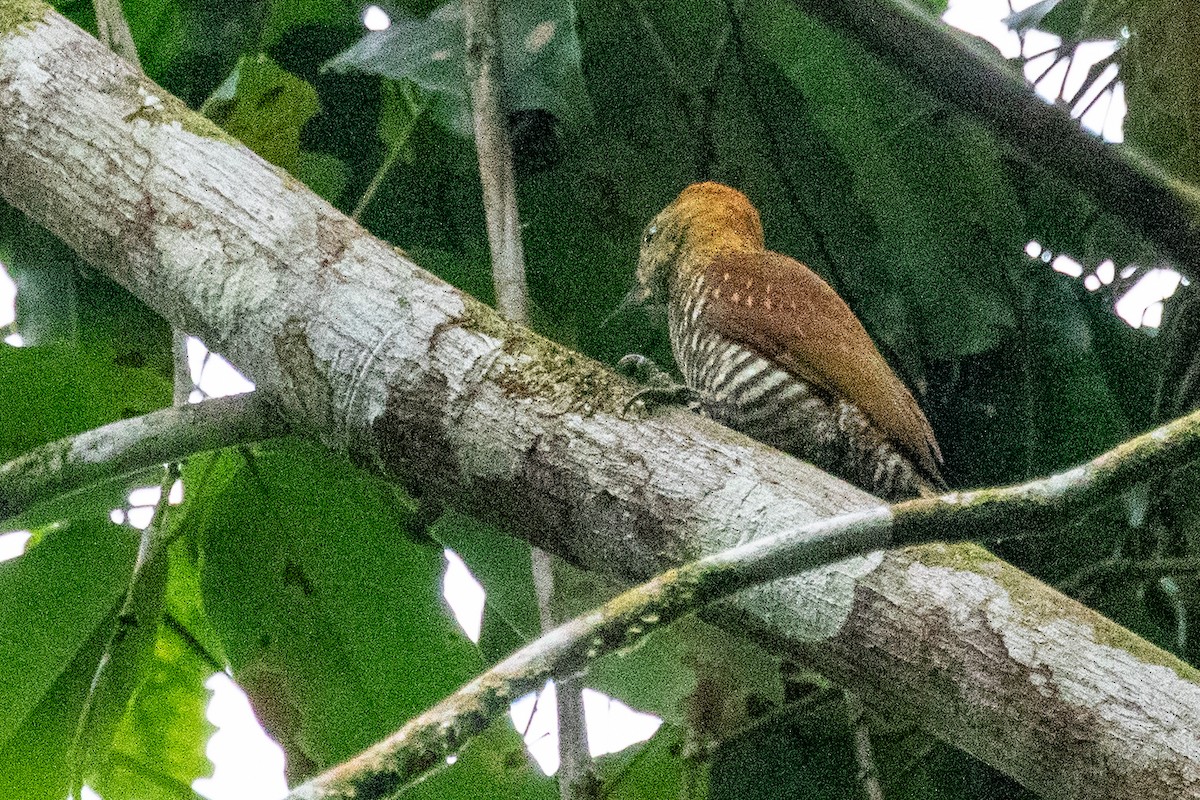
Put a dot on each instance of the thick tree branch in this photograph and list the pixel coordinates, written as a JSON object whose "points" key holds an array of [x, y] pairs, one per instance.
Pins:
{"points": [[360, 348], [974, 78], [131, 445], [425, 742]]}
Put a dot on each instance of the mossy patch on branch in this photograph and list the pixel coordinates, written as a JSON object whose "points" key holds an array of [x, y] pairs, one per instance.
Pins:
{"points": [[18, 15], [548, 370]]}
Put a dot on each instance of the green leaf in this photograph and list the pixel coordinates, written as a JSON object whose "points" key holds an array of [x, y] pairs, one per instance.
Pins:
{"points": [[1071, 380], [159, 748], [265, 107], [1161, 85], [284, 18], [33, 759], [331, 617], [945, 220], [541, 56], [502, 565], [811, 757], [58, 390], [97, 354], [159, 31], [649, 769], [1081, 20], [914, 766], [54, 599], [325, 174], [493, 764], [185, 613], [1031, 17], [427, 52], [120, 671], [402, 107]]}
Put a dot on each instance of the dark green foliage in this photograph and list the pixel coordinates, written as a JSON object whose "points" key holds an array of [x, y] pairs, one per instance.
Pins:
{"points": [[94, 355], [331, 618], [56, 609]]}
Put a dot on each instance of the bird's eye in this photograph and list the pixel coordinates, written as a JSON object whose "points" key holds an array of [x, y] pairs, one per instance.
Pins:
{"points": [[649, 235]]}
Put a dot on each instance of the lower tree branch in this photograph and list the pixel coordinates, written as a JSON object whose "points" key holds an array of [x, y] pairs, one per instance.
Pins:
{"points": [[132, 445], [364, 351]]}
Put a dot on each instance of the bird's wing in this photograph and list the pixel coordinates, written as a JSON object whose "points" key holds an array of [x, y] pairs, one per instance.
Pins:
{"points": [[786, 312]]}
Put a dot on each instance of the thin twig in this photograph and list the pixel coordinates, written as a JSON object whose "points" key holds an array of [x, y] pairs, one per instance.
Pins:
{"points": [[183, 385], [426, 741], [577, 778], [575, 773], [376, 181], [485, 71], [113, 30], [397, 145], [1128, 569], [1080, 113]]}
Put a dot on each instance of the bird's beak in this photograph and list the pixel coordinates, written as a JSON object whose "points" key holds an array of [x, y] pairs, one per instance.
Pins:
{"points": [[635, 297]]}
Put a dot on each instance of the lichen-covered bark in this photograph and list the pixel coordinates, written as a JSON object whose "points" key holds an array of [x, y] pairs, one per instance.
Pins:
{"points": [[365, 351]]}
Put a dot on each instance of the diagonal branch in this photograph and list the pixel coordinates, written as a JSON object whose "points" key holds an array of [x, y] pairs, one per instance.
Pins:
{"points": [[364, 351]]}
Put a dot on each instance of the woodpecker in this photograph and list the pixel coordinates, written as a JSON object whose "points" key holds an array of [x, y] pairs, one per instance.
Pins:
{"points": [[771, 350]]}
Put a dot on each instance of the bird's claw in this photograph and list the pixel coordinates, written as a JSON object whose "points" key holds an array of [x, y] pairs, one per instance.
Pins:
{"points": [[678, 395], [643, 370], [660, 387]]}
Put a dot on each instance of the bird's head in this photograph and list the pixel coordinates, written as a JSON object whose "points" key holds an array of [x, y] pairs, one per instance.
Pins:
{"points": [[705, 219]]}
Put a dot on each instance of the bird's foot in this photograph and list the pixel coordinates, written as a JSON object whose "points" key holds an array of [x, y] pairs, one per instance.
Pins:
{"points": [[644, 370], [660, 388]]}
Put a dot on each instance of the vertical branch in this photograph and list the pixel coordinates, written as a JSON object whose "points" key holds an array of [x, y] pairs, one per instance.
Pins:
{"points": [[113, 30], [486, 76], [576, 778], [183, 386], [864, 753], [485, 73]]}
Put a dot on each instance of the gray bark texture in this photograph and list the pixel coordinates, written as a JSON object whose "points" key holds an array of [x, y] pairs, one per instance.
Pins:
{"points": [[363, 350]]}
